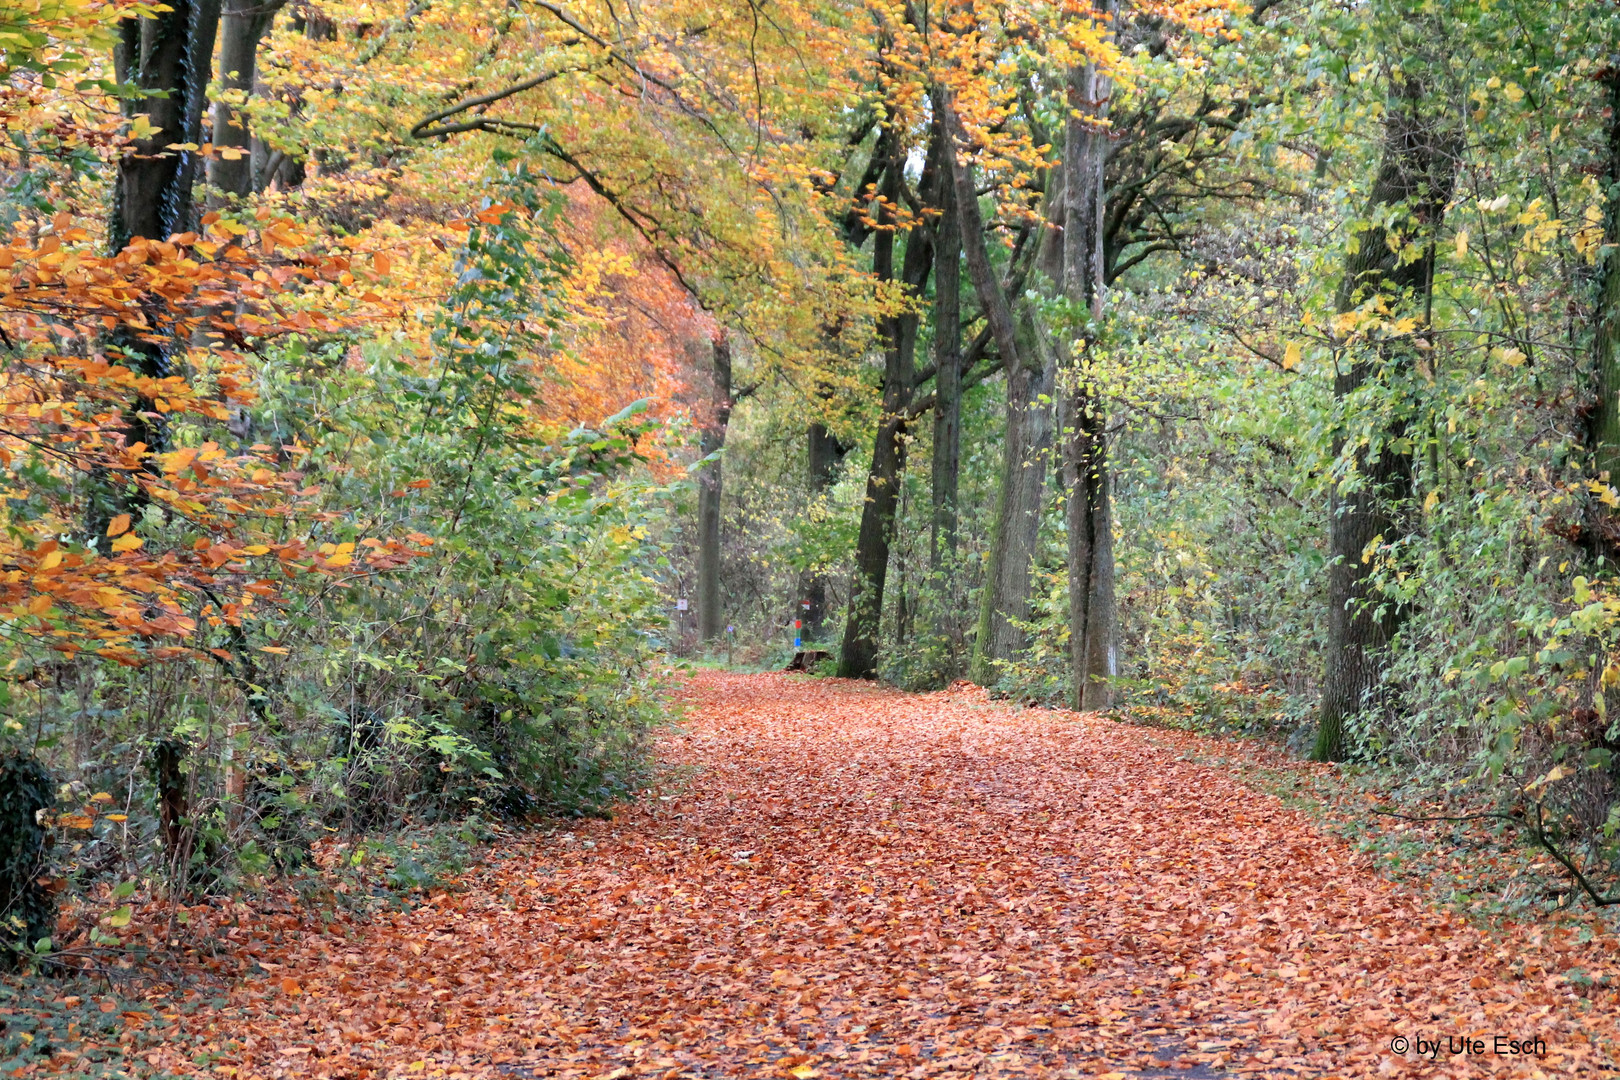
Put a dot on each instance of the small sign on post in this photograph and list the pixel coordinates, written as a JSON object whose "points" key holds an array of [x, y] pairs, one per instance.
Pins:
{"points": [[680, 605]]}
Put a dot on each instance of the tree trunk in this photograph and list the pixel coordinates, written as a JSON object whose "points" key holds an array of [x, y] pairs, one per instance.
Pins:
{"points": [[1093, 625], [1602, 526], [947, 382], [824, 453], [1016, 525], [167, 56], [1015, 528], [243, 26], [174, 805], [1604, 435], [710, 488], [858, 656], [1416, 175]]}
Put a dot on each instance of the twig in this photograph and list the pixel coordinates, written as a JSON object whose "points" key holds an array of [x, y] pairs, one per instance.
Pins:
{"points": [[1537, 829]]}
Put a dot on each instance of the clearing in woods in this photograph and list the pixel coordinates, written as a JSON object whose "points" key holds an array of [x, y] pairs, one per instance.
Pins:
{"points": [[852, 881]]}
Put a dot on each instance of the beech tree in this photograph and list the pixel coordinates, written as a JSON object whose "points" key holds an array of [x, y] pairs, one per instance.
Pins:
{"points": [[1389, 269]]}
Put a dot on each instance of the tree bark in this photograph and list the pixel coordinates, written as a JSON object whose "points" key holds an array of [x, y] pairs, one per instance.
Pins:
{"points": [[174, 805], [243, 25], [712, 440], [1604, 433], [1416, 175], [824, 453], [1016, 524], [858, 655], [1093, 624], [947, 463], [167, 56]]}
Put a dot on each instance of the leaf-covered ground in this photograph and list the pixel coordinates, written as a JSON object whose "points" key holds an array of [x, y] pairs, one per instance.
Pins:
{"points": [[857, 882]]}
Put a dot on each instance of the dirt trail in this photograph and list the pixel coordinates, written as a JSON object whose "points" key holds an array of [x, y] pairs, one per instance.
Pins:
{"points": [[858, 882]]}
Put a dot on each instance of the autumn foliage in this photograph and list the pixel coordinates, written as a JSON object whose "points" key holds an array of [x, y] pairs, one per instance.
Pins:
{"points": [[394, 396]]}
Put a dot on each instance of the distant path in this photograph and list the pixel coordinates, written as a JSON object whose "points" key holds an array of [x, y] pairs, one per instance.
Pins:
{"points": [[859, 882]]}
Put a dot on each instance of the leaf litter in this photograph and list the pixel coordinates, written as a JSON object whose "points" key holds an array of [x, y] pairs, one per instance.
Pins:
{"points": [[856, 882]]}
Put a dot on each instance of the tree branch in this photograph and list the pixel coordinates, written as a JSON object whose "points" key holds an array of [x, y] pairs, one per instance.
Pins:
{"points": [[421, 130]]}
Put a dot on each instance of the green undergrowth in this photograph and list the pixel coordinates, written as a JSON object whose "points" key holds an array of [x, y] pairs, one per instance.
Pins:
{"points": [[93, 1026]]}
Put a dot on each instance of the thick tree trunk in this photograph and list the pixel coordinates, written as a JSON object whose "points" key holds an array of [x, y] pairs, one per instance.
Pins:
{"points": [[825, 454], [1416, 175], [1093, 641], [711, 615], [858, 656], [1604, 436], [1093, 625], [167, 57], [1016, 524], [243, 25], [1602, 526], [947, 382], [1015, 527]]}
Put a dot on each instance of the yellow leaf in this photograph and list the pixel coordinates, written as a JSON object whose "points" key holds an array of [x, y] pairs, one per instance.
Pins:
{"points": [[230, 153], [256, 549], [127, 542], [52, 560], [277, 649], [75, 821], [1462, 243], [804, 1072], [120, 917], [117, 817], [1291, 355], [118, 526], [1430, 501], [101, 796]]}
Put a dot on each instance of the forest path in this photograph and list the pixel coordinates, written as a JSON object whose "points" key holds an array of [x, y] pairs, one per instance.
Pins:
{"points": [[852, 881]]}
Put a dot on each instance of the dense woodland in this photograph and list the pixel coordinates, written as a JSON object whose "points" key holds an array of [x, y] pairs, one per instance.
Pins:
{"points": [[380, 378]]}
